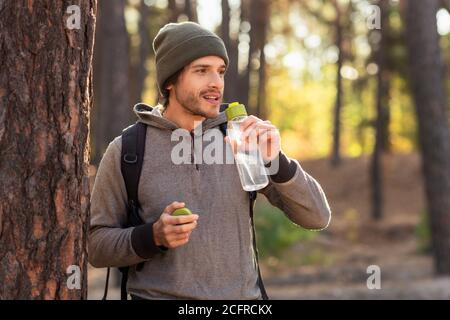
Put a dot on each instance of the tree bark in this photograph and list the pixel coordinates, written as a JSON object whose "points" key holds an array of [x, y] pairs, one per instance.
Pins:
{"points": [[430, 100], [45, 100]]}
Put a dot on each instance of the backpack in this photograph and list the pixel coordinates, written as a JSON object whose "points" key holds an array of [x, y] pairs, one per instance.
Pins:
{"points": [[133, 149]]}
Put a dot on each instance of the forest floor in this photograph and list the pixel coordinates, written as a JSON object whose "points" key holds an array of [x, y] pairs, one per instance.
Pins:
{"points": [[334, 264], [340, 255]]}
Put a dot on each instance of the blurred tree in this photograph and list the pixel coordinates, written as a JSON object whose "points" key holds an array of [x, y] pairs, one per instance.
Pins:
{"points": [[173, 11], [396, 121], [113, 111], [341, 23], [45, 98], [182, 11], [247, 17], [261, 26], [336, 154], [431, 108], [139, 70], [445, 4], [382, 109], [232, 76], [253, 79], [190, 10]]}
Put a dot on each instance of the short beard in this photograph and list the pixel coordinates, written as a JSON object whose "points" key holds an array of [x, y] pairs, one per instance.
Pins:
{"points": [[191, 103]]}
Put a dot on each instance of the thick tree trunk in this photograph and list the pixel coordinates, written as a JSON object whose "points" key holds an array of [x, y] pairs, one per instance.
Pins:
{"points": [[114, 110], [431, 108], [45, 99]]}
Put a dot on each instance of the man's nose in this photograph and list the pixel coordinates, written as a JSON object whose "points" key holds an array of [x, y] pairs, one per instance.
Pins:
{"points": [[216, 80]]}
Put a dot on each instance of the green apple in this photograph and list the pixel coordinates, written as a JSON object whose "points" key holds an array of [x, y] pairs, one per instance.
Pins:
{"points": [[181, 212]]}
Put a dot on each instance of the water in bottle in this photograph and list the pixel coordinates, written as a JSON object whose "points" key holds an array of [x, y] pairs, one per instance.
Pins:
{"points": [[249, 162]]}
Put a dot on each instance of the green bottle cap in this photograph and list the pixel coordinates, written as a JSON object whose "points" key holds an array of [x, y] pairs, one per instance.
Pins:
{"points": [[182, 212], [235, 109]]}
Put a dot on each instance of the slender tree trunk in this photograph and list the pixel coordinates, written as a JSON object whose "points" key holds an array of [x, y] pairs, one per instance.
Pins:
{"points": [[225, 35], [114, 109], [248, 14], [384, 78], [190, 9], [140, 71], [431, 108], [336, 155], [261, 111], [45, 100], [94, 136], [261, 33], [173, 10], [225, 25], [382, 114], [232, 76]]}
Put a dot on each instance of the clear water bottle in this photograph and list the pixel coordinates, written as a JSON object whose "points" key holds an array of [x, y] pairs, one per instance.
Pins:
{"points": [[249, 162]]}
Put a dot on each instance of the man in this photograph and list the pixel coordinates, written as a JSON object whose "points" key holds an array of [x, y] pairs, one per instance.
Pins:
{"points": [[209, 254]]}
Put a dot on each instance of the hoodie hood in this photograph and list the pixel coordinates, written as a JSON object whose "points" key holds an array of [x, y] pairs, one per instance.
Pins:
{"points": [[153, 117]]}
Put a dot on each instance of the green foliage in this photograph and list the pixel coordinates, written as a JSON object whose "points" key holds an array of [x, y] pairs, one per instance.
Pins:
{"points": [[275, 232], [423, 233], [315, 257], [303, 113]]}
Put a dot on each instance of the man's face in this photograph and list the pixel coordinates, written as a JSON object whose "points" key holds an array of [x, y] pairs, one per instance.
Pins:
{"points": [[199, 88]]}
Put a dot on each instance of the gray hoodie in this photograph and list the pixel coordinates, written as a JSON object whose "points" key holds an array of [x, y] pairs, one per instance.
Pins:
{"points": [[218, 261]]}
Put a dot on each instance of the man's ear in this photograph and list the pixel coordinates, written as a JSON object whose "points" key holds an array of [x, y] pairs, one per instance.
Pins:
{"points": [[169, 87]]}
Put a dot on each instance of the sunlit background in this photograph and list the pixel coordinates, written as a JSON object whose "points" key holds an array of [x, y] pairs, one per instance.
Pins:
{"points": [[301, 61]]}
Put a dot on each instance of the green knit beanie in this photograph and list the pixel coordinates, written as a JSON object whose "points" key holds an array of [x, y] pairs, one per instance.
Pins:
{"points": [[178, 44]]}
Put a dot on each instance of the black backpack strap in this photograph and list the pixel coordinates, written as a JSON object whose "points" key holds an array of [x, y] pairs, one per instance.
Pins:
{"points": [[252, 197], [223, 126], [132, 157], [223, 106], [105, 293]]}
